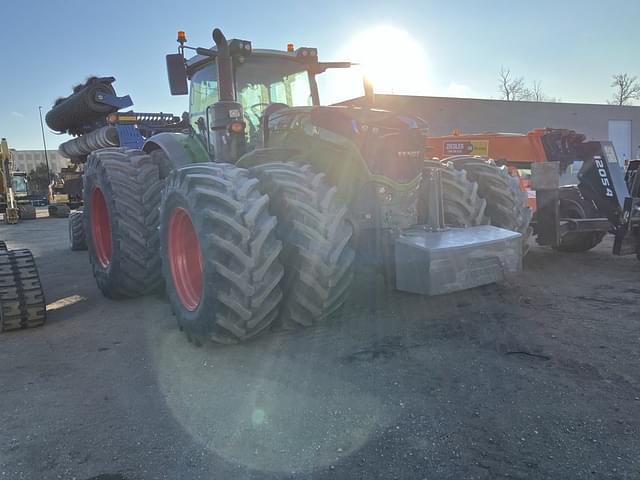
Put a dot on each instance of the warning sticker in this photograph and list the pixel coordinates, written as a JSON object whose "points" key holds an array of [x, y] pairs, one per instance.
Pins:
{"points": [[467, 147]]}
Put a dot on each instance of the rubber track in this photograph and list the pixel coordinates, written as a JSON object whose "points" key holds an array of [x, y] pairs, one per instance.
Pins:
{"points": [[26, 212], [22, 303], [240, 245], [133, 190], [59, 211], [317, 252], [77, 238]]}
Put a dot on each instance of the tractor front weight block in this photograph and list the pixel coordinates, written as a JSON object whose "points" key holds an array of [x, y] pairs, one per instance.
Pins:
{"points": [[437, 262]]}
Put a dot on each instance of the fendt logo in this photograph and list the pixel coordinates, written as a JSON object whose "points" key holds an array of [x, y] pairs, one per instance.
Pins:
{"points": [[604, 178], [409, 154]]}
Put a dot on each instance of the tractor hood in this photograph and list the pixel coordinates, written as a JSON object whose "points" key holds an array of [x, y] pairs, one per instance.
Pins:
{"points": [[392, 145]]}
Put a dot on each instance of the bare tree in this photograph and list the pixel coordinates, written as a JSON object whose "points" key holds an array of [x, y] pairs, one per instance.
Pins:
{"points": [[627, 89], [537, 95], [511, 89], [515, 89]]}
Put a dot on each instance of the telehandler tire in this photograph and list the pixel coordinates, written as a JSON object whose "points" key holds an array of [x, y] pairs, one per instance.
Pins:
{"points": [[26, 212], [317, 252], [122, 193], [77, 238], [574, 205], [22, 303], [220, 254]]}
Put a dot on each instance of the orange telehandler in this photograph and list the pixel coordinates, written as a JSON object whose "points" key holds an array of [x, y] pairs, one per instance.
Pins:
{"points": [[601, 198]]}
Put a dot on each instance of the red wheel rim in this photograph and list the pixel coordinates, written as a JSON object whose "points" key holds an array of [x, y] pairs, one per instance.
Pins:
{"points": [[100, 227], [185, 259]]}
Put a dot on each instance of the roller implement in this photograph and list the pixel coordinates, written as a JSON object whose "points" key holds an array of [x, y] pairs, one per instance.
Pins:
{"points": [[257, 206]]}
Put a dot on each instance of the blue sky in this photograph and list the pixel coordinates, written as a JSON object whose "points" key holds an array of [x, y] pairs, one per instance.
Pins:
{"points": [[572, 47]]}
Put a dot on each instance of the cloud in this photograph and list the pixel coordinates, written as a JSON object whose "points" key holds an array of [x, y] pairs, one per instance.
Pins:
{"points": [[459, 90], [17, 114]]}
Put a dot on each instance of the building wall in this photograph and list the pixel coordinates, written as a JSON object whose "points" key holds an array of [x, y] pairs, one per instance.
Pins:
{"points": [[475, 116], [27, 160]]}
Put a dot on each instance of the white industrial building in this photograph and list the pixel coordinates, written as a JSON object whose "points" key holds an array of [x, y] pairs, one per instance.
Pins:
{"points": [[620, 125], [27, 160]]}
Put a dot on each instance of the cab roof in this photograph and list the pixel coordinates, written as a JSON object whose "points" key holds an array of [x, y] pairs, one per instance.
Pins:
{"points": [[297, 55]]}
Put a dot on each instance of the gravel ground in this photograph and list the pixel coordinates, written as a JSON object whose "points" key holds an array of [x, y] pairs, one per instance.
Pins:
{"points": [[536, 378]]}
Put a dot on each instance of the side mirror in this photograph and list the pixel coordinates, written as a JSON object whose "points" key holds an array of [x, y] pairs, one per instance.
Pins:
{"points": [[177, 73], [369, 95]]}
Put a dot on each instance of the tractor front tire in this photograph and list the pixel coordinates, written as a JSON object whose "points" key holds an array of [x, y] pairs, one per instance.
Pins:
{"points": [[317, 254], [220, 254], [506, 202], [463, 207], [22, 303], [122, 193], [77, 238]]}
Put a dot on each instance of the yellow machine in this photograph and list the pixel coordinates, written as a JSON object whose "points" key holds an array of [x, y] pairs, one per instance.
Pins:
{"points": [[7, 196], [65, 191], [22, 303], [14, 201]]}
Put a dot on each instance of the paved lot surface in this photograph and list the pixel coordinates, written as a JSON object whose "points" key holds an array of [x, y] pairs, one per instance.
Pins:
{"points": [[538, 378]]}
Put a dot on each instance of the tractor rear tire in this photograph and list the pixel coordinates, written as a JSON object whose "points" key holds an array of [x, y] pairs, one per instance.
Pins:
{"points": [[574, 205], [3, 246], [22, 303], [220, 254], [59, 211], [26, 212], [122, 193], [317, 253], [77, 238]]}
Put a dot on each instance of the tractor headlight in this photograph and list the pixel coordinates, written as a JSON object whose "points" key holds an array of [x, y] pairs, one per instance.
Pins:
{"points": [[385, 194]]}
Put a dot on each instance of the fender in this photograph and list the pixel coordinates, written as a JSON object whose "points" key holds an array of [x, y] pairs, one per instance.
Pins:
{"points": [[260, 156], [180, 148]]}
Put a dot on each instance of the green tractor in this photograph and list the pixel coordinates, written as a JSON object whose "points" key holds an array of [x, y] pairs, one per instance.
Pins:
{"points": [[258, 207]]}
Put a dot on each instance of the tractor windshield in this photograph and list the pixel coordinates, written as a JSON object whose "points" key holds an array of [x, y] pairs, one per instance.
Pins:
{"points": [[260, 80], [264, 80]]}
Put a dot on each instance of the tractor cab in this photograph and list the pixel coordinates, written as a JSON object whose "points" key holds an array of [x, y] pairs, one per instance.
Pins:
{"points": [[264, 81], [271, 99]]}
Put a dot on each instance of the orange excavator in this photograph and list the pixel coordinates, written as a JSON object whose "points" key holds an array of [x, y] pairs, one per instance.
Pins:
{"points": [[573, 217]]}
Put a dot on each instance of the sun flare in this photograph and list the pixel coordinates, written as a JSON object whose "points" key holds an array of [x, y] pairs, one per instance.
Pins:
{"points": [[391, 58]]}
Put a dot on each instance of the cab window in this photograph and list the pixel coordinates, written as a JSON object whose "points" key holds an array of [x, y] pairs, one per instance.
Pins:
{"points": [[204, 93]]}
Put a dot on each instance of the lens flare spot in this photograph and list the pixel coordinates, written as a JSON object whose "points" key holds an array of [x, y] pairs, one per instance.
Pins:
{"points": [[258, 416]]}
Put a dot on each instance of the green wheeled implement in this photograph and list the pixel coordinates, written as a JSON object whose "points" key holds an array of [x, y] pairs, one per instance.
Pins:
{"points": [[269, 201]]}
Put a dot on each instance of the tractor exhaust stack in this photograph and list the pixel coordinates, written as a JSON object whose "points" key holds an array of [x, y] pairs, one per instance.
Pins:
{"points": [[225, 67]]}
